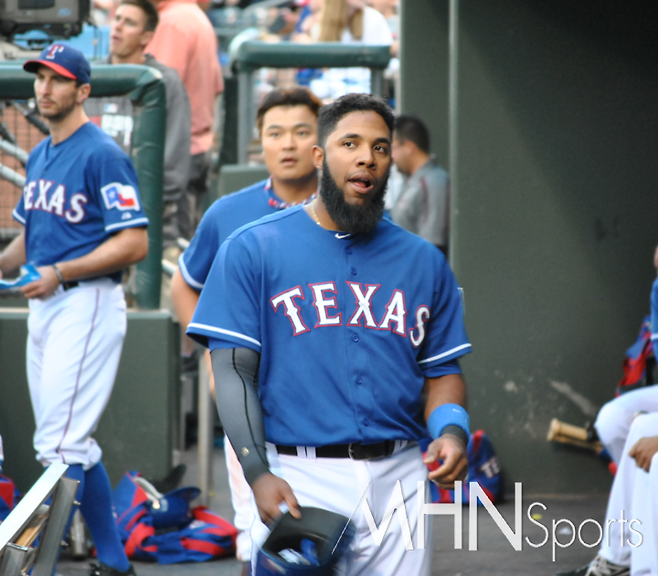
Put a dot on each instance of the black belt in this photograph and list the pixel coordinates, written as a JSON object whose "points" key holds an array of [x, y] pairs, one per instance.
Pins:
{"points": [[69, 285], [356, 451]]}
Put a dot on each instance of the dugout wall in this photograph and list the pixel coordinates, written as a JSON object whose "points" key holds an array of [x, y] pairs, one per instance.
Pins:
{"points": [[549, 126]]}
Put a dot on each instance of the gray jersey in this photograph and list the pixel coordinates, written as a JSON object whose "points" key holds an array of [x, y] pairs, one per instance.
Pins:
{"points": [[422, 206]]}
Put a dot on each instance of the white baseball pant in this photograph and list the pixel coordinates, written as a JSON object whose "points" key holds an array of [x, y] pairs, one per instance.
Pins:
{"points": [[614, 419], [636, 493], [345, 486], [73, 351], [241, 501]]}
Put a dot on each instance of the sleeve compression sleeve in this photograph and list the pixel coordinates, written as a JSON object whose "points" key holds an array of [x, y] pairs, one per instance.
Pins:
{"points": [[235, 371]]}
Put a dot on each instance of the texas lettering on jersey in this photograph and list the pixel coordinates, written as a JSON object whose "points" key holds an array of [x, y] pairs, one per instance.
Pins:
{"points": [[324, 298], [47, 196]]}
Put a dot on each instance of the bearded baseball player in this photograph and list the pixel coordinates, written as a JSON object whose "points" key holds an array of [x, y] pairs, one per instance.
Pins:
{"points": [[287, 123], [83, 224], [335, 338]]}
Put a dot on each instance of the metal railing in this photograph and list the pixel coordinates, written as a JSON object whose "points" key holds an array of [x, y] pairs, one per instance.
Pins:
{"points": [[32, 519], [248, 56]]}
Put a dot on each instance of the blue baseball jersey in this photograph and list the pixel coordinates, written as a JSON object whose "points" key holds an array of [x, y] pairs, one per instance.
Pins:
{"points": [[223, 218], [347, 326], [77, 194]]}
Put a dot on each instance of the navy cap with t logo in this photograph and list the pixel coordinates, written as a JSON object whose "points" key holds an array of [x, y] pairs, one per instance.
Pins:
{"points": [[65, 60]]}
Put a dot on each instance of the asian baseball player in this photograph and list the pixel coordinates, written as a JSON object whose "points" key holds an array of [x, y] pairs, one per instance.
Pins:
{"points": [[287, 122], [335, 338], [83, 224]]}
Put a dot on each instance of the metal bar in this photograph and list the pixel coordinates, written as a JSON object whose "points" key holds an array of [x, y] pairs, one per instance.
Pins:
{"points": [[78, 536], [53, 533], [205, 432], [13, 560], [453, 129], [11, 176], [245, 87], [168, 268], [35, 497], [13, 150], [377, 81]]}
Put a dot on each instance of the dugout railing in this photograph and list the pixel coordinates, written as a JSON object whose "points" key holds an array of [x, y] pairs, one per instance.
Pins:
{"points": [[146, 89], [31, 536], [248, 56]]}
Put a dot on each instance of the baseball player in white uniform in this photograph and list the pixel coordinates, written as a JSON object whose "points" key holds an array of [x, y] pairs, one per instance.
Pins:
{"points": [[83, 224]]}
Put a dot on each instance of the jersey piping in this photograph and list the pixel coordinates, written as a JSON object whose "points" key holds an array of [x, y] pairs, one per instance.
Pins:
{"points": [[127, 224], [444, 354], [222, 331], [187, 276], [18, 217]]}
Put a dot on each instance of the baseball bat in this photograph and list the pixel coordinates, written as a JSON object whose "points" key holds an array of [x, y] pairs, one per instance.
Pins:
{"points": [[574, 435]]}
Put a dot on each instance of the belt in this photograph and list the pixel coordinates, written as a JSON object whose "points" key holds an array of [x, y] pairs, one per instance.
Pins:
{"points": [[355, 451]]}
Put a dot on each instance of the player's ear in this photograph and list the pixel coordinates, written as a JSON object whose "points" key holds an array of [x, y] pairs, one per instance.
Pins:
{"points": [[318, 156], [83, 93]]}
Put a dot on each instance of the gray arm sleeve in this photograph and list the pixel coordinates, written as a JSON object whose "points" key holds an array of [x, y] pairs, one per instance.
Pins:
{"points": [[235, 371]]}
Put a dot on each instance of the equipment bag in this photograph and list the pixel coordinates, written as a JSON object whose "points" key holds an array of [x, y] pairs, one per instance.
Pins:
{"points": [[164, 529], [9, 496], [639, 362], [483, 468]]}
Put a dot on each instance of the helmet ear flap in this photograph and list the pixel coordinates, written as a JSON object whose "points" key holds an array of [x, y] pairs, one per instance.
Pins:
{"points": [[328, 532]]}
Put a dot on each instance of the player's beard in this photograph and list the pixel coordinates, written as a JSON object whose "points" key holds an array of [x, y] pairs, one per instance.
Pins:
{"points": [[354, 219], [64, 109]]}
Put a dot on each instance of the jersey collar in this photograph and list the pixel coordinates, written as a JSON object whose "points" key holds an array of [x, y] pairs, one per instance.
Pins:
{"points": [[276, 202]]}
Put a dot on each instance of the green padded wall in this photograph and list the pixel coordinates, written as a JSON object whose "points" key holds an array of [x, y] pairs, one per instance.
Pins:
{"points": [[140, 421], [556, 228]]}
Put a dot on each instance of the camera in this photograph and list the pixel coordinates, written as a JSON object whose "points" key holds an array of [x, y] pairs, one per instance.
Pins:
{"points": [[58, 18]]}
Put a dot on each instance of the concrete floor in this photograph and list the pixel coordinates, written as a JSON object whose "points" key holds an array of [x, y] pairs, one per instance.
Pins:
{"points": [[494, 556]]}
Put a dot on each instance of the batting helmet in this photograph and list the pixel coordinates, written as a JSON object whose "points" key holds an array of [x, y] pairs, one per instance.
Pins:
{"points": [[310, 546]]}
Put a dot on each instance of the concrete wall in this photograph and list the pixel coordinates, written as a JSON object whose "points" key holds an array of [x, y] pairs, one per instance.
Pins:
{"points": [[139, 425], [558, 139]]}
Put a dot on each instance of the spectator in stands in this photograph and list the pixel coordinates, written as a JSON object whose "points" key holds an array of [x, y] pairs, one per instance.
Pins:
{"points": [[422, 205], [309, 16], [185, 40], [388, 8], [348, 22], [131, 30]]}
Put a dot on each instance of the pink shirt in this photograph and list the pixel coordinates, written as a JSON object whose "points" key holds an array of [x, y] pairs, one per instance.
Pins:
{"points": [[185, 40]]}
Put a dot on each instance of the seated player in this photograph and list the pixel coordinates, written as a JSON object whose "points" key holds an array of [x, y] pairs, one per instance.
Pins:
{"points": [[623, 433], [634, 494]]}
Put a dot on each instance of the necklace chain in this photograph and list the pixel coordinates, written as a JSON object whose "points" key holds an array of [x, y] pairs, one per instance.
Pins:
{"points": [[315, 214]]}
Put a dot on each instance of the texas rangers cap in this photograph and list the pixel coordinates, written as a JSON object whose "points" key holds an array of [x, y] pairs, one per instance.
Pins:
{"points": [[65, 60]]}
